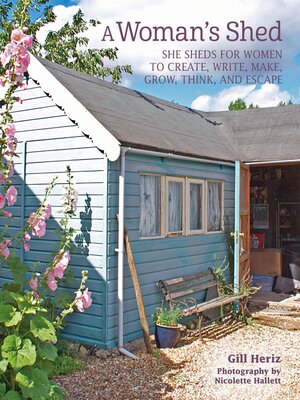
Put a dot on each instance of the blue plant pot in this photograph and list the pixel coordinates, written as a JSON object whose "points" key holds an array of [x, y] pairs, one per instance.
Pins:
{"points": [[166, 336]]}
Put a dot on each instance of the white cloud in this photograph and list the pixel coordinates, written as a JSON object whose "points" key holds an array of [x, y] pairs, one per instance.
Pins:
{"points": [[269, 95]]}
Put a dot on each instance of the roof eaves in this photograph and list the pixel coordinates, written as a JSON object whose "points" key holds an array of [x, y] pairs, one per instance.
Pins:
{"points": [[89, 125]]}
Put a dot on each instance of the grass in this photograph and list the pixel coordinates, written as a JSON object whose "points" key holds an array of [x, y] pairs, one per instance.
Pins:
{"points": [[67, 365], [68, 360]]}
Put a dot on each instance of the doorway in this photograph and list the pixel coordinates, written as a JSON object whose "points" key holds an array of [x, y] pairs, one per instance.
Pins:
{"points": [[274, 219]]}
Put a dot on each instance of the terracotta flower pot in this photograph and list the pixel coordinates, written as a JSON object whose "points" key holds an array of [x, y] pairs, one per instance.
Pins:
{"points": [[166, 336]]}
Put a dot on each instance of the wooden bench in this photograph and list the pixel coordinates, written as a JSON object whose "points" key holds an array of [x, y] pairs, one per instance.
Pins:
{"points": [[178, 291]]}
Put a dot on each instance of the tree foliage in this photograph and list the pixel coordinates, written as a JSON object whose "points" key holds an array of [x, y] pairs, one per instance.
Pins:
{"points": [[240, 104], [66, 46], [283, 103]]}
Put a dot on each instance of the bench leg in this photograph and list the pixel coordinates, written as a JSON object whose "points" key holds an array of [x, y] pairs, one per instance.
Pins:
{"points": [[199, 327]]}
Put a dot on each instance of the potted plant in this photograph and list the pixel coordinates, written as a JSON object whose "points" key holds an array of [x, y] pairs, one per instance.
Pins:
{"points": [[167, 326]]}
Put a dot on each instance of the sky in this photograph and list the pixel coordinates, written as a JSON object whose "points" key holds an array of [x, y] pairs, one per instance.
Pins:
{"points": [[213, 51]]}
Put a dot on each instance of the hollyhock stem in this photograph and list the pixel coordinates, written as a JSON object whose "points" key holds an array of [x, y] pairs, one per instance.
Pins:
{"points": [[60, 318]]}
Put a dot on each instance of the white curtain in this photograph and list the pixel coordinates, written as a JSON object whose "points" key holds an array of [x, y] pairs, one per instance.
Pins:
{"points": [[196, 193], [214, 205], [175, 197], [150, 206]]}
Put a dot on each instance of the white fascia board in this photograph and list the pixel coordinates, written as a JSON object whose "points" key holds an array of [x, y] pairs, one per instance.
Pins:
{"points": [[89, 125]]}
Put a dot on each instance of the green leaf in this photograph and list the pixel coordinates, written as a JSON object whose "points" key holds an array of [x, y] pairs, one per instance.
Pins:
{"points": [[30, 310], [34, 384], [3, 365], [57, 392], [19, 353], [47, 351], [6, 312], [12, 395], [46, 365], [19, 299], [2, 390], [42, 329], [16, 318], [17, 268], [9, 315], [23, 303], [11, 287]]}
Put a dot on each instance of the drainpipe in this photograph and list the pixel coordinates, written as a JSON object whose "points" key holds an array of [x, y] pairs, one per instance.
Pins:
{"points": [[236, 234], [120, 251]]}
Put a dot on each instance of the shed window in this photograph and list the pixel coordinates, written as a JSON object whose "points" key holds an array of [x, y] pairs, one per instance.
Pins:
{"points": [[150, 218], [214, 206], [175, 205], [172, 206], [196, 208]]}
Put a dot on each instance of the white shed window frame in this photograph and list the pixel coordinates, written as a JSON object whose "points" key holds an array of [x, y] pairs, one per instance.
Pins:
{"points": [[206, 205], [182, 180], [186, 181], [190, 231], [162, 190]]}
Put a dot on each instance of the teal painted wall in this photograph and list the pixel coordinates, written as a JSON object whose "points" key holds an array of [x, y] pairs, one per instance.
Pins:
{"points": [[157, 258], [54, 141]]}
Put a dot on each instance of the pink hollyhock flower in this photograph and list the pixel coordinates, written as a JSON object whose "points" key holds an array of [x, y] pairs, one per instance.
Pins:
{"points": [[31, 218], [58, 270], [2, 177], [11, 195], [33, 283], [39, 228], [4, 251], [28, 41], [65, 258], [26, 247], [9, 51], [11, 169], [2, 201], [35, 295], [83, 300], [26, 239], [22, 60], [17, 35], [38, 225], [6, 214], [47, 211], [10, 129], [61, 264], [51, 282]]}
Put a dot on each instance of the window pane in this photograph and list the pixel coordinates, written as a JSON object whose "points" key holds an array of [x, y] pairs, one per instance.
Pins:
{"points": [[196, 200], [214, 206], [150, 206], [175, 196]]}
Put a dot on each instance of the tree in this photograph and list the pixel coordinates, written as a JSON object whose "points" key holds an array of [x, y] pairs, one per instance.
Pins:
{"points": [[67, 46], [283, 103], [240, 104]]}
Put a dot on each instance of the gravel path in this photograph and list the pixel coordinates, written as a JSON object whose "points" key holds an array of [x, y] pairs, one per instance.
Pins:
{"points": [[232, 364]]}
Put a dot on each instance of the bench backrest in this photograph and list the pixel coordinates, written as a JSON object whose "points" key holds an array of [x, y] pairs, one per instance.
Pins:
{"points": [[187, 285]]}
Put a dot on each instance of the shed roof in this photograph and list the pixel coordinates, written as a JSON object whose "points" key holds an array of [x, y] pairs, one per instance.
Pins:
{"points": [[143, 121]]}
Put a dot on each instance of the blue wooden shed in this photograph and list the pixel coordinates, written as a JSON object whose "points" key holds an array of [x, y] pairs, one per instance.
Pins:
{"points": [[169, 171]]}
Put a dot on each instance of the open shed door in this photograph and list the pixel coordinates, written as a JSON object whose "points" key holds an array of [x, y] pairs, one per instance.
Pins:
{"points": [[241, 232]]}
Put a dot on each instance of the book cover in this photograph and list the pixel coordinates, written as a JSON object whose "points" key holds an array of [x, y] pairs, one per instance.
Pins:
{"points": [[206, 56]]}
